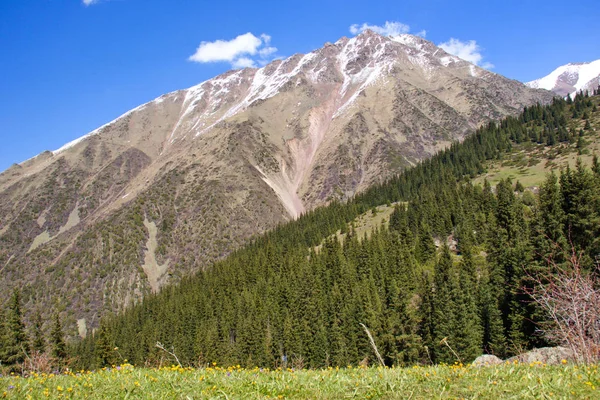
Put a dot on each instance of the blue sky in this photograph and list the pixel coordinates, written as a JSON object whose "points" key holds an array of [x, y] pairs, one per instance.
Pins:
{"points": [[69, 66]]}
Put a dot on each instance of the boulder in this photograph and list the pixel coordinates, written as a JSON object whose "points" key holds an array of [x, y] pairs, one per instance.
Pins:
{"points": [[486, 360], [545, 355]]}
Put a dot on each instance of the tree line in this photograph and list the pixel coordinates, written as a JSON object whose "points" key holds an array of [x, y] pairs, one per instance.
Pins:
{"points": [[22, 347], [445, 280]]}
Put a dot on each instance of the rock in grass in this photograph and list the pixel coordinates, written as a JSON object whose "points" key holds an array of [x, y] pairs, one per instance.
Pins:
{"points": [[545, 355], [486, 360]]}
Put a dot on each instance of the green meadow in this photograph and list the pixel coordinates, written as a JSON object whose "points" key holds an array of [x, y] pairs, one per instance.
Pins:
{"points": [[509, 380]]}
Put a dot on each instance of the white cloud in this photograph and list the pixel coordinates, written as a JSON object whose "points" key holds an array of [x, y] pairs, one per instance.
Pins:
{"points": [[266, 38], [89, 2], [267, 51], [468, 51], [243, 62], [392, 28], [237, 51], [223, 50]]}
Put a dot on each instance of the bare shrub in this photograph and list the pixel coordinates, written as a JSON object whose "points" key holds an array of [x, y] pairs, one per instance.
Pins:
{"points": [[40, 363], [298, 362], [571, 299]]}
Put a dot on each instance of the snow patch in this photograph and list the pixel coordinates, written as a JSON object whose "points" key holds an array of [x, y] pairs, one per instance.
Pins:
{"points": [[96, 131], [447, 60], [473, 70], [264, 86], [408, 40]]}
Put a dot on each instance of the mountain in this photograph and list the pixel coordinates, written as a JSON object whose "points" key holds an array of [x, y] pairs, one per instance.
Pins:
{"points": [[426, 259], [570, 79], [185, 179]]}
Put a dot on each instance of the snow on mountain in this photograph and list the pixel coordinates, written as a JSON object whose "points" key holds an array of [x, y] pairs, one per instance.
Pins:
{"points": [[234, 156], [570, 78], [350, 64]]}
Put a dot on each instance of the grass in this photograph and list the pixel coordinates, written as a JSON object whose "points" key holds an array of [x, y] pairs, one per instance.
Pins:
{"points": [[529, 163], [516, 381], [530, 167], [365, 223]]}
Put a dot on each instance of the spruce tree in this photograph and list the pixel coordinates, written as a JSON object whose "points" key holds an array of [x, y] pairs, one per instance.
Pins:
{"points": [[548, 233], [445, 308], [3, 337], [59, 348], [38, 341], [104, 350], [519, 187], [17, 344], [425, 246], [468, 330]]}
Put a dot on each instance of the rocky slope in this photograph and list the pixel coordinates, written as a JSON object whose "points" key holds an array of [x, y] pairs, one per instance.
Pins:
{"points": [[185, 179], [570, 79]]}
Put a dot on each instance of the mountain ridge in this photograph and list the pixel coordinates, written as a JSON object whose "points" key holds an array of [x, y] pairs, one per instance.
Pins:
{"points": [[230, 158], [412, 41], [570, 78]]}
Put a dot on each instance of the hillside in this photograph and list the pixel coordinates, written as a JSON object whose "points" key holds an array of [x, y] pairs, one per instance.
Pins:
{"points": [[182, 181], [529, 162], [277, 297]]}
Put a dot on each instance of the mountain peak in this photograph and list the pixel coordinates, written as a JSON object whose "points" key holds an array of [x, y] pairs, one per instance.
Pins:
{"points": [[570, 78], [181, 181]]}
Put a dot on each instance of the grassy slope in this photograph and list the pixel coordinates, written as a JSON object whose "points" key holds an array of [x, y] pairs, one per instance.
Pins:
{"points": [[525, 381], [365, 223], [529, 162]]}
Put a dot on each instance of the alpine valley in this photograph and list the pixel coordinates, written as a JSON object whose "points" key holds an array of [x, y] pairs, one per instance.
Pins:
{"points": [[184, 180]]}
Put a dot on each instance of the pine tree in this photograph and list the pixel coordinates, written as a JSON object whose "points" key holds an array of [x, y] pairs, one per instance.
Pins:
{"points": [[425, 246], [549, 220], [16, 344], [38, 341], [104, 350], [551, 139], [596, 165], [59, 348], [468, 331], [445, 308], [519, 187], [3, 337], [494, 340]]}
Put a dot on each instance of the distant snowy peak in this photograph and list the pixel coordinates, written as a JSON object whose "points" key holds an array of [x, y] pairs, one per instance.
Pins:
{"points": [[570, 78]]}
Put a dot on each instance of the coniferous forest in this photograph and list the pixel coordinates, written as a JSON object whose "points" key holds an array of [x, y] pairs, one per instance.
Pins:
{"points": [[449, 273]]}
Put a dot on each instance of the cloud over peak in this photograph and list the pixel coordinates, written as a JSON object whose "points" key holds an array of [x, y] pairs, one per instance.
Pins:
{"points": [[243, 51], [389, 28], [469, 51]]}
